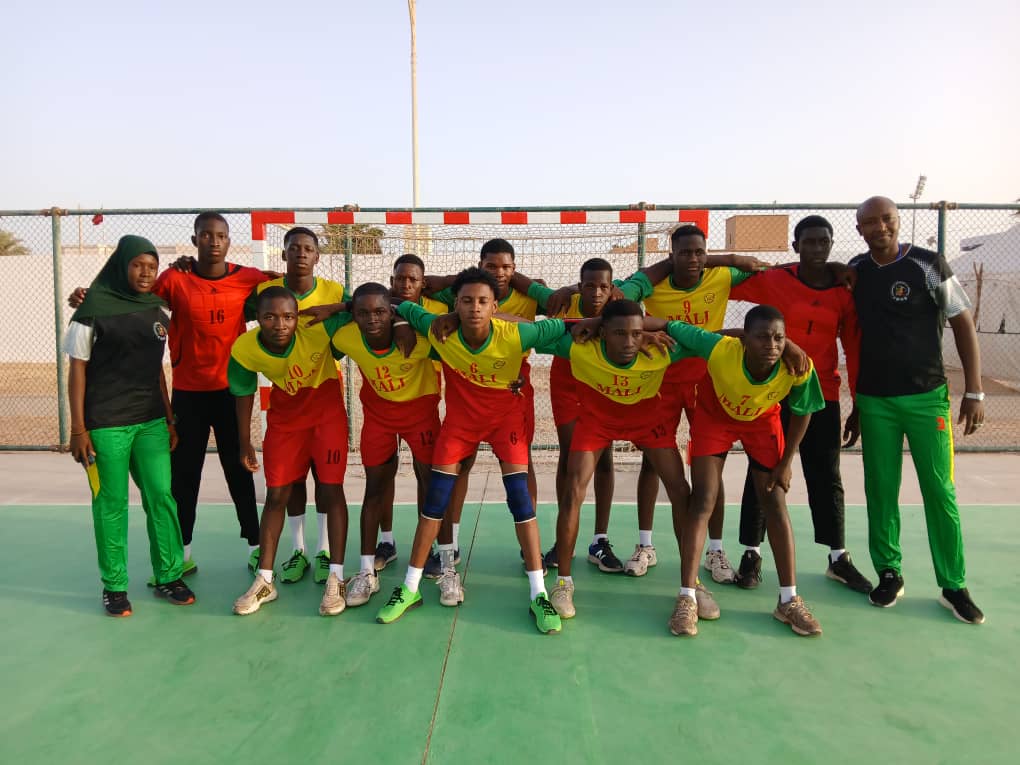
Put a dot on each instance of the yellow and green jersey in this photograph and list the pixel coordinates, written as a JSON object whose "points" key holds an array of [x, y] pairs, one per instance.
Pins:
{"points": [[323, 292]]}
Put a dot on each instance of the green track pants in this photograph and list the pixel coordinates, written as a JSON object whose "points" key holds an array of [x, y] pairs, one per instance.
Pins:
{"points": [[143, 452], [926, 420]]}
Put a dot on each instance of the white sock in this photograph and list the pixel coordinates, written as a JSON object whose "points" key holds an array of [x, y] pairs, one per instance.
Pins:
{"points": [[446, 556], [755, 549], [323, 533], [297, 528], [368, 563], [187, 552], [413, 578], [598, 538], [338, 569], [645, 537], [537, 582], [564, 580], [456, 536], [387, 536], [252, 548], [266, 574], [835, 555], [714, 545], [786, 594], [690, 592]]}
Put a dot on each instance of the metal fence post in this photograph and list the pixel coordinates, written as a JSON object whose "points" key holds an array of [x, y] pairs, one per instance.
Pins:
{"points": [[348, 364], [58, 325], [943, 205], [641, 245]]}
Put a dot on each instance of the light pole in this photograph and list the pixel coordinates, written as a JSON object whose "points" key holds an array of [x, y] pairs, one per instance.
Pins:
{"points": [[414, 105], [918, 190]]}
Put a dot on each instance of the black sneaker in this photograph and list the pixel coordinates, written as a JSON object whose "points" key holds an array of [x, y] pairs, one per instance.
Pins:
{"points": [[385, 553], [890, 587], [601, 554], [176, 592], [434, 565], [749, 570], [550, 560], [116, 603], [844, 570], [524, 566], [963, 608]]}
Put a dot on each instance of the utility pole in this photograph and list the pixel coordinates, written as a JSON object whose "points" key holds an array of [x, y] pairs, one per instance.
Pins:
{"points": [[918, 190]]}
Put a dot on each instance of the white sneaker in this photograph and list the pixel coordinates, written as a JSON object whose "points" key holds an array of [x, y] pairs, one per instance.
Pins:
{"points": [[451, 592], [260, 592], [717, 564], [642, 559], [562, 599], [361, 587], [334, 599], [707, 607]]}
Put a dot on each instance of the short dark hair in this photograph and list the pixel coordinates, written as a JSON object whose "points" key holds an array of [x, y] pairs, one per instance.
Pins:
{"points": [[495, 247], [474, 275], [409, 257], [272, 293], [617, 308], [760, 313], [297, 231], [596, 264], [688, 229], [367, 289], [202, 217], [811, 221]]}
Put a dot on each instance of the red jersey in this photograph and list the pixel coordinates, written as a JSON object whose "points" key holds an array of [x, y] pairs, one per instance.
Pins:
{"points": [[207, 316], [814, 319]]}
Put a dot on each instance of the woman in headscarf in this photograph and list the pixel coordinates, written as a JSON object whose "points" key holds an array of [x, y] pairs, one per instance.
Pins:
{"points": [[121, 421]]}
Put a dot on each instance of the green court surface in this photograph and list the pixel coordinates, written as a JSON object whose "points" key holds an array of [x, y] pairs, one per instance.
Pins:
{"points": [[478, 684]]}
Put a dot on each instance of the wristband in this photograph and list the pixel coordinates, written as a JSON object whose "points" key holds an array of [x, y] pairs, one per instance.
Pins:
{"points": [[974, 396], [400, 323]]}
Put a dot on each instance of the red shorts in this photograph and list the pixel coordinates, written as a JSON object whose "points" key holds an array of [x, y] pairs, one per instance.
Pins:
{"points": [[459, 438], [528, 391], [641, 424], [417, 424], [287, 454], [566, 405], [715, 433], [677, 397]]}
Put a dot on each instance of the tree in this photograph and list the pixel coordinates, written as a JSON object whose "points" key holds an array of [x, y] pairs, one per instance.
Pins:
{"points": [[11, 245], [365, 239]]}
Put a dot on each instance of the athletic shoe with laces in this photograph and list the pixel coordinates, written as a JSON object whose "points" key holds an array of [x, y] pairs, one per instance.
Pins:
{"points": [[551, 559], [796, 613], [718, 565], [963, 608], [361, 587], [562, 599], [116, 603], [708, 609], [889, 589], [434, 565], [334, 597], [294, 568], [601, 554], [451, 591], [749, 572], [385, 554], [843, 570], [190, 567], [253, 561], [260, 592], [644, 558], [176, 592], [684, 620], [546, 619], [321, 572], [401, 601]]}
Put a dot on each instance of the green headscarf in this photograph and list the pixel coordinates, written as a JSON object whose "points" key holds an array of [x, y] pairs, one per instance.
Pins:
{"points": [[110, 294]]}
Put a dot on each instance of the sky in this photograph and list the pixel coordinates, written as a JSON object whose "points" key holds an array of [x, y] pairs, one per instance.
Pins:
{"points": [[287, 104]]}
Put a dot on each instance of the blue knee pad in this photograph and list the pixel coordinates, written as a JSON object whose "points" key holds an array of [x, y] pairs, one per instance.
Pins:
{"points": [[438, 495], [518, 498]]}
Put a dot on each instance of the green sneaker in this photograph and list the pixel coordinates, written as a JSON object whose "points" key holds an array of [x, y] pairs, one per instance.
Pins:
{"points": [[294, 568], [546, 619], [321, 567], [401, 601], [190, 567], [253, 561]]}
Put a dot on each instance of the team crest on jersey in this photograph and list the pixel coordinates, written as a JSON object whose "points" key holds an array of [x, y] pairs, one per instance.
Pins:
{"points": [[709, 298], [498, 364], [316, 356], [772, 395], [900, 291], [405, 367], [645, 375], [159, 331]]}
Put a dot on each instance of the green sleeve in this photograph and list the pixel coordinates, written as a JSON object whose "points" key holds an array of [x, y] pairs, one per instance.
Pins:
{"points": [[242, 381], [446, 296], [807, 397], [737, 276], [540, 294], [250, 303], [637, 287], [417, 316], [559, 347], [333, 324], [693, 340], [540, 333]]}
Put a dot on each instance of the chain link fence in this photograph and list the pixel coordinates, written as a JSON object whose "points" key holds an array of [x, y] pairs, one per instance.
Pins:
{"points": [[981, 243]]}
